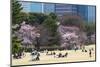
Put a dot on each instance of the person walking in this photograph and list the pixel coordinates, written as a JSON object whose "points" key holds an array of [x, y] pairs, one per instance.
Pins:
{"points": [[38, 56]]}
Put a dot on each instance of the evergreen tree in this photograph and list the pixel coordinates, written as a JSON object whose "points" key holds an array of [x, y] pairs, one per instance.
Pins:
{"points": [[16, 9], [16, 45], [51, 26], [53, 16]]}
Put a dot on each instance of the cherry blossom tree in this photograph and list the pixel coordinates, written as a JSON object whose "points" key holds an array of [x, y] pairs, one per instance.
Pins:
{"points": [[28, 34]]}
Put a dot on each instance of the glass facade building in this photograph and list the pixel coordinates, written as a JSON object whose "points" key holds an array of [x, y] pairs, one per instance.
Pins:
{"points": [[83, 11], [91, 14], [86, 12], [37, 7], [59, 9], [48, 8], [62, 9], [26, 6], [32, 7]]}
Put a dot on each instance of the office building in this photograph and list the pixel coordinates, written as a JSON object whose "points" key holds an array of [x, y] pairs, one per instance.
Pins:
{"points": [[85, 11]]}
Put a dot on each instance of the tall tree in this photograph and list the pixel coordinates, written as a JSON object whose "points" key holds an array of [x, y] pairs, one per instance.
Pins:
{"points": [[16, 9], [16, 45], [51, 26], [36, 18], [53, 16]]}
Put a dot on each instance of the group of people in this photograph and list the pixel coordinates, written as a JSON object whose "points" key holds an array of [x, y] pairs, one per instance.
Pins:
{"points": [[61, 55], [90, 51], [19, 55], [35, 55], [57, 55]]}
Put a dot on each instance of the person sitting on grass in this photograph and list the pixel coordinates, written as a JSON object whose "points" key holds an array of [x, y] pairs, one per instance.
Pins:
{"points": [[49, 54], [54, 53], [15, 56], [19, 55], [66, 54], [92, 49], [60, 55], [85, 50]]}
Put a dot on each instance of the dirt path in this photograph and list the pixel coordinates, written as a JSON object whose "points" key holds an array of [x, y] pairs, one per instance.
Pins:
{"points": [[72, 57]]}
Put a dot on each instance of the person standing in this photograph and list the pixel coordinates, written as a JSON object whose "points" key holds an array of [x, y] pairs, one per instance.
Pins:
{"points": [[38, 56], [90, 53]]}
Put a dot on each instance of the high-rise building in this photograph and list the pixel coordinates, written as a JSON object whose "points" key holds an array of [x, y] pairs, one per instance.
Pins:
{"points": [[49, 8], [26, 6], [32, 7], [59, 9], [91, 13], [62, 9], [85, 11]]}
